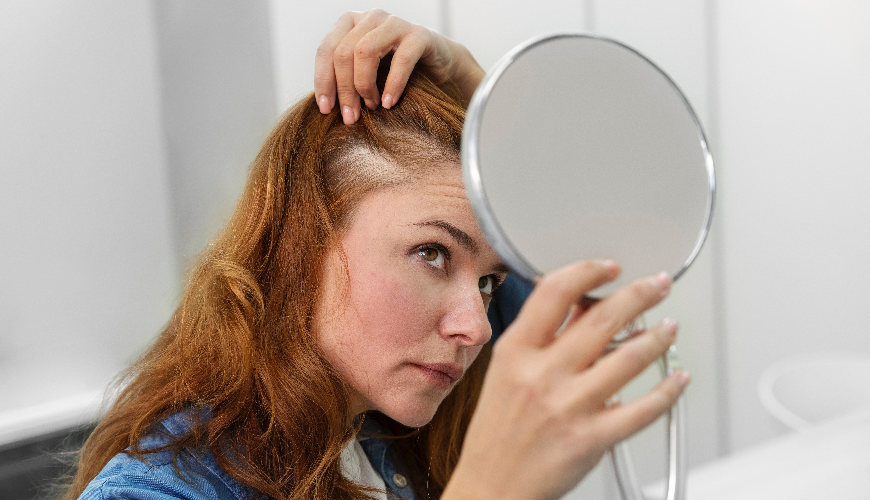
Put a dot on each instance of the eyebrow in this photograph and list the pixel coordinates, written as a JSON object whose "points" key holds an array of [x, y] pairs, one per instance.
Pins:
{"points": [[462, 238], [458, 234]]}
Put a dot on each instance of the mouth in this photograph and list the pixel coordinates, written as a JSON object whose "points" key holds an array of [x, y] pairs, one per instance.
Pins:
{"points": [[442, 375]]}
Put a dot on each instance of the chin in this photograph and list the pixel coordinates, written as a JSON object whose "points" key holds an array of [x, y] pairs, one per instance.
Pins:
{"points": [[412, 414]]}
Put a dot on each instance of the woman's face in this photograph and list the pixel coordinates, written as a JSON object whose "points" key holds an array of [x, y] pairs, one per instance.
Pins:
{"points": [[409, 317]]}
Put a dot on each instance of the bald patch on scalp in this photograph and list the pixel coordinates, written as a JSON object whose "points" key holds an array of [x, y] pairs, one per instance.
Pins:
{"points": [[359, 168]]}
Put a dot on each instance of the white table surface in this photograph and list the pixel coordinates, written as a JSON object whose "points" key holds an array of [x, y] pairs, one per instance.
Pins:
{"points": [[831, 461]]}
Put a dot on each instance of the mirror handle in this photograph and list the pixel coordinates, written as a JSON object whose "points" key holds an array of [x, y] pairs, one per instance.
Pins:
{"points": [[620, 455]]}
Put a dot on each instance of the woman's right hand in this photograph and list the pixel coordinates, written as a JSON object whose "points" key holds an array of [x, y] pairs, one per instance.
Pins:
{"points": [[542, 421], [347, 61]]}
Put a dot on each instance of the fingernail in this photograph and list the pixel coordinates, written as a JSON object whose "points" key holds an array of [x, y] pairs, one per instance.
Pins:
{"points": [[669, 326], [323, 103], [387, 101], [683, 378], [611, 266], [662, 281], [347, 115], [370, 103]]}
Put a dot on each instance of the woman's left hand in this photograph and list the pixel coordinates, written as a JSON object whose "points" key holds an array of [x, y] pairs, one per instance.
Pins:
{"points": [[347, 61], [543, 420]]}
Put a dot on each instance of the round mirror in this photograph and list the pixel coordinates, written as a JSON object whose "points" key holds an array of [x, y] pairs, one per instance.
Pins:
{"points": [[578, 147]]}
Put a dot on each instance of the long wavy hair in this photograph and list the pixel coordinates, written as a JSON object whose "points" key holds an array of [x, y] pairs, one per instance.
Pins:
{"points": [[241, 346]]}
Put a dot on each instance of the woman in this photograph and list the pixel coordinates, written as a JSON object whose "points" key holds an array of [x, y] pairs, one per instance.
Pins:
{"points": [[333, 340]]}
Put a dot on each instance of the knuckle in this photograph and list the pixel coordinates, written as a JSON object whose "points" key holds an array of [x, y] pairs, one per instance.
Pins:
{"points": [[393, 19], [365, 49], [325, 49], [556, 287], [633, 355], [601, 320], [343, 54], [322, 80], [528, 378], [377, 14], [402, 58], [587, 440], [346, 96], [420, 33], [588, 395], [363, 87]]}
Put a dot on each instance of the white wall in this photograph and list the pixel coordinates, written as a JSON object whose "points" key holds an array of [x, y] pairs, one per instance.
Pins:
{"points": [[125, 135], [86, 252], [218, 105], [794, 108]]}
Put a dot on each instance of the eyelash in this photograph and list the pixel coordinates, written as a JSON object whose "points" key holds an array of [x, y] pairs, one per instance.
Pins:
{"points": [[496, 280]]}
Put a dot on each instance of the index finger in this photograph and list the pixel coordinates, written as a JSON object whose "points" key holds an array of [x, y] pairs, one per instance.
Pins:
{"points": [[324, 69], [549, 303], [585, 340]]}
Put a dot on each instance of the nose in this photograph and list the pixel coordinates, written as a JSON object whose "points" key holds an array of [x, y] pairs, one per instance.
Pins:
{"points": [[465, 322]]}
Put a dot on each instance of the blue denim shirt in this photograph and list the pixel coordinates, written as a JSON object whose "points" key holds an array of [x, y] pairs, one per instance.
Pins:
{"points": [[199, 477]]}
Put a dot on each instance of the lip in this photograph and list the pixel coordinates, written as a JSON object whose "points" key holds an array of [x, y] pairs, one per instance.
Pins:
{"points": [[442, 374]]}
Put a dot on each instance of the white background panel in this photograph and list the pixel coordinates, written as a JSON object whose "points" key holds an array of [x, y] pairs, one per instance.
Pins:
{"points": [[490, 28], [87, 258], [795, 117]]}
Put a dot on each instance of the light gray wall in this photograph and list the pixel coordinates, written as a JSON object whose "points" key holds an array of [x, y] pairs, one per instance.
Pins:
{"points": [[86, 249], [218, 104], [125, 135], [794, 108]]}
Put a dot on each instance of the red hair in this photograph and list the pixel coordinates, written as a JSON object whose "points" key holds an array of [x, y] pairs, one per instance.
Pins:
{"points": [[241, 345]]}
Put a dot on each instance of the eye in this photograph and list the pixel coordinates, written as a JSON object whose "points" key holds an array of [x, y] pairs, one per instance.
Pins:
{"points": [[486, 284], [433, 256]]}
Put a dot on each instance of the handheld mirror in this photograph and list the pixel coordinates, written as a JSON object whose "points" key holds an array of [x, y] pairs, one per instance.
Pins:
{"points": [[577, 147]]}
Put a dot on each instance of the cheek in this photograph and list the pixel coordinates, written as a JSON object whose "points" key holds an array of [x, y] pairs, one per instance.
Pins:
{"points": [[392, 306]]}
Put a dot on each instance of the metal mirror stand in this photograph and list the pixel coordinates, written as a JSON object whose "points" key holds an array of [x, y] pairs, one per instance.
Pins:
{"points": [[620, 455]]}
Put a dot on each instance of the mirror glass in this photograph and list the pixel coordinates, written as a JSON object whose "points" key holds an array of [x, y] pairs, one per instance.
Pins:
{"points": [[578, 147]]}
